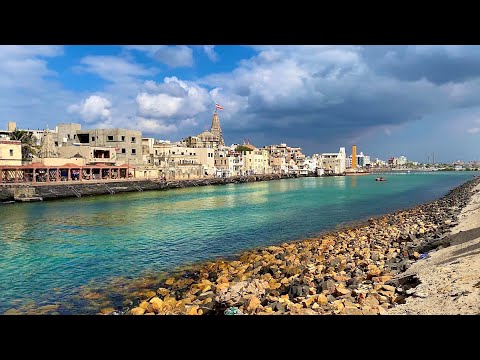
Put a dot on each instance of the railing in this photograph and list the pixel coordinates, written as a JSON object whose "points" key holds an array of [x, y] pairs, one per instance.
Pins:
{"points": [[75, 191], [109, 190]]}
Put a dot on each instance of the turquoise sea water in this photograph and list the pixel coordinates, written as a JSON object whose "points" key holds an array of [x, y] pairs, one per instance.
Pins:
{"points": [[48, 250]]}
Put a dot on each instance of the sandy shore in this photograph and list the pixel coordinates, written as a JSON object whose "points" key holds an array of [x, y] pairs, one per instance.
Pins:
{"points": [[450, 277]]}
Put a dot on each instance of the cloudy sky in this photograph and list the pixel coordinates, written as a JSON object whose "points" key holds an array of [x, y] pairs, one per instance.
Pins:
{"points": [[388, 100]]}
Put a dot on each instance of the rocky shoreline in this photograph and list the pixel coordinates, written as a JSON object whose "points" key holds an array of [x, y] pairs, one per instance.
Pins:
{"points": [[351, 271]]}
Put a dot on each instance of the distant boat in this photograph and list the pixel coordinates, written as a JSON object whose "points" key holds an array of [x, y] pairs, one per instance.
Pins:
{"points": [[380, 179], [408, 171]]}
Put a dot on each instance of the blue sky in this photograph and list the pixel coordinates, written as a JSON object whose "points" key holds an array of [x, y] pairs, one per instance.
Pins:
{"points": [[388, 100]]}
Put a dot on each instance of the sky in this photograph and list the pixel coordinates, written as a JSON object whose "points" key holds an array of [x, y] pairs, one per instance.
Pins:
{"points": [[388, 100]]}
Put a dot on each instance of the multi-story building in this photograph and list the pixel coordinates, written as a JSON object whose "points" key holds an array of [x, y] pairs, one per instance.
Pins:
{"points": [[348, 162], [334, 163], [127, 143], [256, 162], [310, 164], [177, 161], [285, 159], [66, 134], [392, 161], [221, 163], [402, 160], [279, 164], [147, 150]]}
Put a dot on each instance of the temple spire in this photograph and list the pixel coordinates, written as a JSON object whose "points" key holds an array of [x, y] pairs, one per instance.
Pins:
{"points": [[216, 129]]}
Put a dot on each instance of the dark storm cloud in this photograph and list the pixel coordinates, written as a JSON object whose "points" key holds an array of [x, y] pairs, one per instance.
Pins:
{"points": [[438, 64], [334, 94]]}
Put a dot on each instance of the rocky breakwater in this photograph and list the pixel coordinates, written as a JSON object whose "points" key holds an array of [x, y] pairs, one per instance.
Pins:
{"points": [[352, 271]]}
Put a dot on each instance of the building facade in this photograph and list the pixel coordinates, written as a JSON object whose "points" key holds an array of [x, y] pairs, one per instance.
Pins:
{"points": [[10, 153], [334, 163], [127, 143]]}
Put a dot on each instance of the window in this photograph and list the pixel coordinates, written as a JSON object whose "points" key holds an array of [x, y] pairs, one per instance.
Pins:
{"points": [[93, 138], [110, 138], [68, 136], [156, 152], [74, 136], [123, 138], [123, 151], [11, 152], [56, 143], [133, 139], [149, 161], [134, 151]]}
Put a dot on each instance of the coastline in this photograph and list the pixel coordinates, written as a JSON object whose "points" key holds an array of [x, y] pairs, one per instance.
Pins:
{"points": [[53, 191], [348, 271]]}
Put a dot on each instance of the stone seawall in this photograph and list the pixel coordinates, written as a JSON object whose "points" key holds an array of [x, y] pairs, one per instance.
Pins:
{"points": [[51, 191]]}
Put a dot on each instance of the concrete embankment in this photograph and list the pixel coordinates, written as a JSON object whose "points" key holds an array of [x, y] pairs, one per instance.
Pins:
{"points": [[351, 271], [9, 192]]}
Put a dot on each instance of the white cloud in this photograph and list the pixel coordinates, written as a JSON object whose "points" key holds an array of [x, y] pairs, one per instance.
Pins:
{"points": [[188, 123], [94, 108], [114, 68], [173, 56], [473, 130], [172, 98], [210, 52], [22, 51], [155, 126], [157, 106]]}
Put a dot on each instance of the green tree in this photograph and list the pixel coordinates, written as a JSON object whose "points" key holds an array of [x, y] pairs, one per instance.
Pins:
{"points": [[29, 145], [241, 148]]}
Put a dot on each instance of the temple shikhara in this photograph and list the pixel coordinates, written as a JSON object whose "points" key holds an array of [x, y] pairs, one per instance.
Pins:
{"points": [[207, 139]]}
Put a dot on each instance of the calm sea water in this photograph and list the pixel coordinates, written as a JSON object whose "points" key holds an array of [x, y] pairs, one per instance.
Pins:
{"points": [[48, 250]]}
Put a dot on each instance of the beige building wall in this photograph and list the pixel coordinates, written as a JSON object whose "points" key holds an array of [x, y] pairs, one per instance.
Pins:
{"points": [[92, 154], [59, 161], [148, 173], [181, 162], [10, 153], [206, 157], [256, 161], [278, 164], [66, 133], [11, 126]]}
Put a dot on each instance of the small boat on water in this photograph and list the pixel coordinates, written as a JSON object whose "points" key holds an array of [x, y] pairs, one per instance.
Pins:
{"points": [[380, 179]]}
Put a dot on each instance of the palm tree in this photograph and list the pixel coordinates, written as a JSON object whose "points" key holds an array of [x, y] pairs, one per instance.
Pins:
{"points": [[29, 144]]}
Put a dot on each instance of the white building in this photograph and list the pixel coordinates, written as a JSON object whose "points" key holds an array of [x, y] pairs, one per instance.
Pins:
{"points": [[401, 160], [310, 163], [334, 162]]}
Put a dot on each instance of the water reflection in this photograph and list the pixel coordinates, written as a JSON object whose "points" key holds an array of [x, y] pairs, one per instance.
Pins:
{"points": [[354, 181]]}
